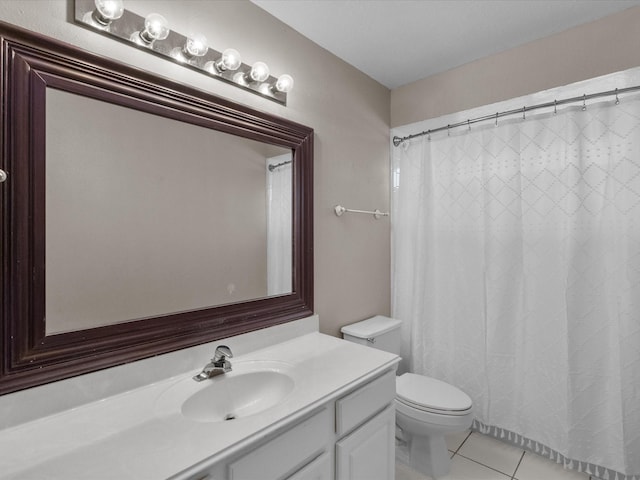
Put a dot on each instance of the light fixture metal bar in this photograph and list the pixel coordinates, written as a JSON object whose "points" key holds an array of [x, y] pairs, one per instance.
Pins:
{"points": [[130, 23]]}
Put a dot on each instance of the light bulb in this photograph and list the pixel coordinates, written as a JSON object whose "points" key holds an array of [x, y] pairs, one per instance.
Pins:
{"points": [[110, 9], [230, 60], [284, 83], [106, 11], [259, 72], [196, 46], [156, 27]]}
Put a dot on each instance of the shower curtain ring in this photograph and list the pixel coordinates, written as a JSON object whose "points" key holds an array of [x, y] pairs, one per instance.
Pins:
{"points": [[617, 99], [469, 124], [429, 135], [584, 102], [496, 119], [448, 130], [555, 107], [524, 109]]}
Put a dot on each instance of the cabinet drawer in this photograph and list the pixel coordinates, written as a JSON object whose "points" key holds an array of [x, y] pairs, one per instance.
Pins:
{"points": [[286, 453], [365, 402]]}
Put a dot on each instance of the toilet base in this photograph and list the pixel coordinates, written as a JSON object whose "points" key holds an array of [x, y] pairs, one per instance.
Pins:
{"points": [[422, 436], [428, 455]]}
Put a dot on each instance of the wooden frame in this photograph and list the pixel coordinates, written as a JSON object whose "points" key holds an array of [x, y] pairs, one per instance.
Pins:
{"points": [[31, 63]]}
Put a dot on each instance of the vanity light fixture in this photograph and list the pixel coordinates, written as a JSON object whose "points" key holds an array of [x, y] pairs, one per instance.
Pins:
{"points": [[152, 33]]}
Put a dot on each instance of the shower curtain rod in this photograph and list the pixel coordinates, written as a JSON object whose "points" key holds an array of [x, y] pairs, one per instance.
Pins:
{"points": [[278, 165], [398, 140]]}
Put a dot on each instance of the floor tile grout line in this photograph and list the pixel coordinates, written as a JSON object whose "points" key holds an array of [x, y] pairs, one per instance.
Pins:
{"points": [[457, 452], [513, 477], [487, 466], [461, 443], [508, 476]]}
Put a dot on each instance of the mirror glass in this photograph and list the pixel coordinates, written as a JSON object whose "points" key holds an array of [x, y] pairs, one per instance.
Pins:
{"points": [[148, 215]]}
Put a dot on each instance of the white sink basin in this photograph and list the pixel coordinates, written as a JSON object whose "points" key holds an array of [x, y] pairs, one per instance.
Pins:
{"points": [[250, 388]]}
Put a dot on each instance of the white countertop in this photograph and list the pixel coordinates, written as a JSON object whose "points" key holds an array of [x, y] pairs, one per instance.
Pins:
{"points": [[128, 437]]}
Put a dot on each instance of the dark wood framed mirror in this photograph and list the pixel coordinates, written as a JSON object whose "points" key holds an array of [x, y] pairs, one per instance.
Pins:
{"points": [[39, 75]]}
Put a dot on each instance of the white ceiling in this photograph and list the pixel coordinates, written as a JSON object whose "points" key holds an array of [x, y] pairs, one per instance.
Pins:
{"points": [[400, 41]]}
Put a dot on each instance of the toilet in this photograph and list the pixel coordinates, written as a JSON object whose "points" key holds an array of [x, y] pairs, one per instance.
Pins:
{"points": [[426, 409]]}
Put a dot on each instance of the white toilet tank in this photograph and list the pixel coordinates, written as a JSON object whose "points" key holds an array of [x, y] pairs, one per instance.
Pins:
{"points": [[378, 332]]}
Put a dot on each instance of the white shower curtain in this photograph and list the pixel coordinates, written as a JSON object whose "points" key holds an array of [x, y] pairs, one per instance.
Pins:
{"points": [[516, 270], [279, 217]]}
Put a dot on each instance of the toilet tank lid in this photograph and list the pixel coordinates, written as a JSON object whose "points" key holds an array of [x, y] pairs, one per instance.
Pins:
{"points": [[371, 327]]}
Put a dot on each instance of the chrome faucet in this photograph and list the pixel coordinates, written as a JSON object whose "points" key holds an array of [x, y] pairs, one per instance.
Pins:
{"points": [[219, 364]]}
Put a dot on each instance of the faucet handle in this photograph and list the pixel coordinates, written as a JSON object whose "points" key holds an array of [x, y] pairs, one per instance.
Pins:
{"points": [[222, 352]]}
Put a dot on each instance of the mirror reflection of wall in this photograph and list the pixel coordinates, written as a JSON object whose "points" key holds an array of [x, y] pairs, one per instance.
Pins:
{"points": [[279, 218], [147, 216]]}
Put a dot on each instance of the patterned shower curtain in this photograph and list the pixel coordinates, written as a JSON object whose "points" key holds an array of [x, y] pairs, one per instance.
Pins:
{"points": [[279, 218], [516, 271]]}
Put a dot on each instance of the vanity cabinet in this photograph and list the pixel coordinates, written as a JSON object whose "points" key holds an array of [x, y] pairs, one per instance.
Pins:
{"points": [[350, 437]]}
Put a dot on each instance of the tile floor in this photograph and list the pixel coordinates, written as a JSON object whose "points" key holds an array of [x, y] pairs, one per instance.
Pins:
{"points": [[478, 457]]}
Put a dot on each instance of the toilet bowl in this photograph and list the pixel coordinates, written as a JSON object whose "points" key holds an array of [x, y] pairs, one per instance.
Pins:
{"points": [[427, 409]]}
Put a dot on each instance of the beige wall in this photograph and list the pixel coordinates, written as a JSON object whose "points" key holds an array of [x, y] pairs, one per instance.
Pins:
{"points": [[348, 110], [604, 46]]}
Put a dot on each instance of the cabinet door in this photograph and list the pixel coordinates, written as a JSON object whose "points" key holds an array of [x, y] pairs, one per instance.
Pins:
{"points": [[319, 469], [369, 452]]}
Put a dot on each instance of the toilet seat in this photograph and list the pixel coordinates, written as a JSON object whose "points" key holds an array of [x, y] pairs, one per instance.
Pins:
{"points": [[431, 395]]}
